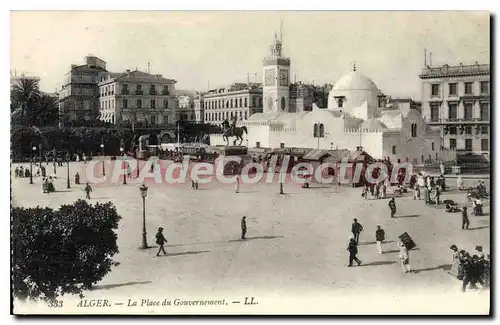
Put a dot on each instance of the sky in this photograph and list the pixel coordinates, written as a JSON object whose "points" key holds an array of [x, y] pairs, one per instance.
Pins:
{"points": [[202, 49]]}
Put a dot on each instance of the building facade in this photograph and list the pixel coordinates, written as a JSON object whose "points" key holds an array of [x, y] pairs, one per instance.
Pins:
{"points": [[79, 95], [199, 108], [457, 99], [303, 96], [185, 109], [238, 101], [136, 97]]}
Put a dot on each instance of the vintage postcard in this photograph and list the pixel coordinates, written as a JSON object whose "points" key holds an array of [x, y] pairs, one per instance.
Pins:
{"points": [[250, 162]]}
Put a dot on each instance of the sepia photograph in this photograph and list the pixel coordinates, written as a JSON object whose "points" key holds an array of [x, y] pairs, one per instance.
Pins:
{"points": [[250, 162]]}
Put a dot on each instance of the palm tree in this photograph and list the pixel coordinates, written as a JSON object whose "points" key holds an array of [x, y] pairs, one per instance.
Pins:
{"points": [[46, 111], [25, 95]]}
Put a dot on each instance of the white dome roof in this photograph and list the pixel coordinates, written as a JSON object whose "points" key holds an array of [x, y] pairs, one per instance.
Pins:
{"points": [[355, 81], [373, 124]]}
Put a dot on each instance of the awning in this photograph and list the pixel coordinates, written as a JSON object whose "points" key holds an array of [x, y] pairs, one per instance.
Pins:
{"points": [[315, 154]]}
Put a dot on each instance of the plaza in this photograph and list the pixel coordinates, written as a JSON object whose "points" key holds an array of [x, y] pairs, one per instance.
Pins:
{"points": [[295, 252]]}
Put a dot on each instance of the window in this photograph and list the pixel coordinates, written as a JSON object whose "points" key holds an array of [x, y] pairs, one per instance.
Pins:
{"points": [[434, 112], [414, 130], [152, 91], [260, 102], [435, 90], [257, 144], [139, 103], [393, 150], [241, 115], [315, 130], [254, 102], [468, 144], [153, 119], [485, 87], [241, 101], [340, 102], [468, 111], [452, 111], [282, 145], [453, 130], [246, 102], [432, 146], [232, 102], [468, 130], [485, 145], [321, 130], [485, 111], [283, 103], [153, 103], [484, 130], [165, 91], [468, 88], [125, 103], [246, 116], [453, 144], [165, 103], [452, 89], [165, 119]]}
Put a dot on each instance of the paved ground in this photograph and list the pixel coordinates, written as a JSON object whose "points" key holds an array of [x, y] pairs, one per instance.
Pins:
{"points": [[296, 250]]}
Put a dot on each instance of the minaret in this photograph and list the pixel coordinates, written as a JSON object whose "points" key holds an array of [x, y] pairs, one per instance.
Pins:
{"points": [[276, 78]]}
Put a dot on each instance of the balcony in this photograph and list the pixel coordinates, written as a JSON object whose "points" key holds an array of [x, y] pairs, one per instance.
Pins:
{"points": [[165, 93], [125, 92], [139, 92], [434, 121], [153, 92]]}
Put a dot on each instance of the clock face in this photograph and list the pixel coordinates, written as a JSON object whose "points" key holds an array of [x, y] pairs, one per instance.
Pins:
{"points": [[270, 78], [283, 77]]}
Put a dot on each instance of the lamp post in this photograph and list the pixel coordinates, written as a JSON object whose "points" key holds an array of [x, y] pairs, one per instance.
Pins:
{"points": [[67, 163], [144, 192], [40, 153], [124, 165], [102, 154], [31, 164]]}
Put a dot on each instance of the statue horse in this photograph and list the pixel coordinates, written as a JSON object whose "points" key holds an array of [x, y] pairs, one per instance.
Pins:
{"points": [[233, 131]]}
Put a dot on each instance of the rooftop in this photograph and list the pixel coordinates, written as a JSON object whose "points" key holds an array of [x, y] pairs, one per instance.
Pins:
{"points": [[455, 71]]}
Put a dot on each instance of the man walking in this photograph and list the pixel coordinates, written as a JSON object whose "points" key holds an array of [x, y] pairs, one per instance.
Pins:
{"points": [[353, 251], [379, 237], [465, 219], [87, 190], [243, 227], [356, 229], [237, 185], [392, 207], [160, 240], [404, 256]]}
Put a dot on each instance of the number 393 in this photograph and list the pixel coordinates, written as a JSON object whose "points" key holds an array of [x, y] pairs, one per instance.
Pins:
{"points": [[55, 304]]}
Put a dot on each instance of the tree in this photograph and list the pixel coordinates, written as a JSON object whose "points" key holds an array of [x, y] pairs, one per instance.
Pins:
{"points": [[56, 252], [25, 95], [47, 111]]}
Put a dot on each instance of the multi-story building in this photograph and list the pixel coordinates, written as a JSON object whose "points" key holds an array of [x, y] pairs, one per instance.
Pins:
{"points": [[303, 96], [403, 104], [199, 108], [457, 98], [240, 101], [185, 108], [15, 78], [79, 95], [137, 97]]}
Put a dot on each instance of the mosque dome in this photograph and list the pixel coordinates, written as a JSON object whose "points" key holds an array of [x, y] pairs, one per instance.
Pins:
{"points": [[373, 124], [355, 81]]}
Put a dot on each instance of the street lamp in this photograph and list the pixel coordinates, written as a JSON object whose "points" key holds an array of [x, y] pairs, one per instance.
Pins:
{"points": [[54, 160], [124, 165], [67, 162], [144, 192], [102, 154], [31, 164]]}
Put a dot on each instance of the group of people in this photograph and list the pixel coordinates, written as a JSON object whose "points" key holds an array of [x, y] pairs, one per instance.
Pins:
{"points": [[21, 172], [471, 269], [430, 189], [48, 185], [378, 191]]}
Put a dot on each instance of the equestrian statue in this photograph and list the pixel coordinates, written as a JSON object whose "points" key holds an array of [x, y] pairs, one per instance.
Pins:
{"points": [[233, 131]]}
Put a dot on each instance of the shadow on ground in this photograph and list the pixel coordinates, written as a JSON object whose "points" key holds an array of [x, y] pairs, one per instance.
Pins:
{"points": [[444, 267], [254, 238], [117, 285], [184, 253], [477, 228], [408, 216], [374, 242], [379, 263]]}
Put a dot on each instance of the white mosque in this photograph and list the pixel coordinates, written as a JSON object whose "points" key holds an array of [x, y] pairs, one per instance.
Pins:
{"points": [[356, 117]]}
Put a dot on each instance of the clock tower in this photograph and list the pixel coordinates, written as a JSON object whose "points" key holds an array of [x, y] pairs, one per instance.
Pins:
{"points": [[276, 79]]}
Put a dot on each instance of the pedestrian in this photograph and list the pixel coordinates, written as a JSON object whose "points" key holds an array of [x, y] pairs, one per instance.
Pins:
{"points": [[384, 190], [87, 190], [379, 237], [192, 184], [438, 194], [356, 230], [129, 171], [160, 241], [196, 184], [460, 183], [353, 251], [455, 264], [392, 207], [364, 192], [415, 191], [16, 172], [404, 256], [77, 178], [465, 219], [237, 185], [243, 227], [479, 250]]}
